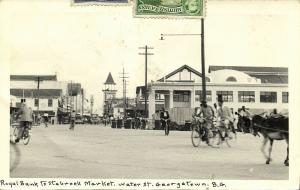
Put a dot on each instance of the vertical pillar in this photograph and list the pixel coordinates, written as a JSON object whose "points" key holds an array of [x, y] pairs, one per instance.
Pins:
{"points": [[171, 99], [257, 97], [192, 98], [151, 103]]}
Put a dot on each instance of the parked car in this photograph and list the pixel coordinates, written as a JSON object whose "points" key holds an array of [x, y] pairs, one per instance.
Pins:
{"points": [[78, 119], [95, 119]]}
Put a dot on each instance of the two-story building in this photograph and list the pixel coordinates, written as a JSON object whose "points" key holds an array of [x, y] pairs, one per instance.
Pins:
{"points": [[40, 92], [257, 88]]}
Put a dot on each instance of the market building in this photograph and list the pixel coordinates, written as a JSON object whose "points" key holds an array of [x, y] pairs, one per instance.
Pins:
{"points": [[257, 88]]}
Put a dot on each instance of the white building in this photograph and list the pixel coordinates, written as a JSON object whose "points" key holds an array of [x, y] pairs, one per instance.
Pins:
{"points": [[256, 88], [25, 89]]}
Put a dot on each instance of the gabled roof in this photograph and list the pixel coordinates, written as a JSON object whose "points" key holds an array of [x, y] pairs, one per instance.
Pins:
{"points": [[276, 75], [109, 79], [33, 77], [248, 70], [181, 69]]}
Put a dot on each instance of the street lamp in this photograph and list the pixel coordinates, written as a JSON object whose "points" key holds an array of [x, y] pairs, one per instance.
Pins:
{"points": [[202, 54]]}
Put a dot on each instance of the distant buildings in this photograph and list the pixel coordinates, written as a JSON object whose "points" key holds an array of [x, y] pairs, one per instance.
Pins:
{"points": [[45, 94], [257, 88]]}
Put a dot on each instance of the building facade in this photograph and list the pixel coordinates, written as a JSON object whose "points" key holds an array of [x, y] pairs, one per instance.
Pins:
{"points": [[257, 88], [40, 92]]}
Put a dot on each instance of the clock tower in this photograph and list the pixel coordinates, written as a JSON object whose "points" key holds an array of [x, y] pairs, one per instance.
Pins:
{"points": [[109, 93]]}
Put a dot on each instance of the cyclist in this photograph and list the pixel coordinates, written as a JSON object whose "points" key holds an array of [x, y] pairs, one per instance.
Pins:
{"points": [[26, 118], [72, 120], [224, 117], [164, 119], [207, 114], [245, 116]]}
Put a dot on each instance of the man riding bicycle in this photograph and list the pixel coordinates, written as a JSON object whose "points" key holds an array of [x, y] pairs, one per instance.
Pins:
{"points": [[164, 119], [207, 113], [25, 120], [224, 117]]}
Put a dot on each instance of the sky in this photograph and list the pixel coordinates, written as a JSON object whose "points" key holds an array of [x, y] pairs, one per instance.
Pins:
{"points": [[85, 43]]}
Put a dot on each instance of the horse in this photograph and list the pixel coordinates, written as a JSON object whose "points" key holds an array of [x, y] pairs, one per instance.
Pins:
{"points": [[271, 128]]}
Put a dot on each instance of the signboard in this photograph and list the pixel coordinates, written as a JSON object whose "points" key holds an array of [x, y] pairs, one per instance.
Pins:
{"points": [[170, 8]]}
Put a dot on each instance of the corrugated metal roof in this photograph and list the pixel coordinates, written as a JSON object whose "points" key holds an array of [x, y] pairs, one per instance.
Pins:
{"points": [[33, 77], [248, 69], [276, 75]]}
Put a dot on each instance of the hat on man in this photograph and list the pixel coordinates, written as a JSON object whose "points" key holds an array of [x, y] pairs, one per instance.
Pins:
{"points": [[203, 101], [220, 99]]}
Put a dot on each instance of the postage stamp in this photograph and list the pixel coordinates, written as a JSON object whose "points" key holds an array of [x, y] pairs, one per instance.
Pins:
{"points": [[170, 8], [100, 2]]}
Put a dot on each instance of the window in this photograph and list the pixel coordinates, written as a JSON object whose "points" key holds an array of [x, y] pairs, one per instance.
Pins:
{"points": [[181, 96], [50, 102], [268, 97], [199, 95], [231, 79], [36, 102], [285, 97], [159, 97], [227, 96], [246, 96], [23, 100]]}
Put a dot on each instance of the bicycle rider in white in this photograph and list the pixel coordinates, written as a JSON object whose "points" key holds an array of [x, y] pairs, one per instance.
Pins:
{"points": [[224, 117], [207, 113], [26, 118]]}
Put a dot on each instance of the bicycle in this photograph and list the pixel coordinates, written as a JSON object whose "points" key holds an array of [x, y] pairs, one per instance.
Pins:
{"points": [[228, 133], [202, 134], [167, 126], [25, 133]]}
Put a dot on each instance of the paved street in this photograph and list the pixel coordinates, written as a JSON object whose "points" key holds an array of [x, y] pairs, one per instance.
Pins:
{"points": [[102, 152]]}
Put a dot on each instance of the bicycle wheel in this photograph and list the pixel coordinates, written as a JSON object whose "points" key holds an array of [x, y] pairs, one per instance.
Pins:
{"points": [[196, 137], [15, 134], [26, 137], [214, 138]]}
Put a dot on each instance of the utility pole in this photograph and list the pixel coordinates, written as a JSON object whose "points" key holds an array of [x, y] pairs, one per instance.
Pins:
{"points": [[82, 101], [38, 94], [92, 103], [203, 61], [124, 77], [146, 48]]}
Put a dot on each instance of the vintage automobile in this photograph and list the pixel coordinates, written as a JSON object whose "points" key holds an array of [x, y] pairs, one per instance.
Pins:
{"points": [[95, 119], [78, 119]]}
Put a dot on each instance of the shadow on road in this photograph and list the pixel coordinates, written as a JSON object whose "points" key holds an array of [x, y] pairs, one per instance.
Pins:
{"points": [[15, 156]]}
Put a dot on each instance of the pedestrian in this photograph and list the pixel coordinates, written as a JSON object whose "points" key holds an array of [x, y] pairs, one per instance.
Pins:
{"points": [[72, 120], [46, 119]]}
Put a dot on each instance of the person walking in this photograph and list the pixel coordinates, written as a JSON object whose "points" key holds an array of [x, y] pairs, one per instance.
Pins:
{"points": [[46, 119], [72, 120]]}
